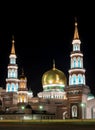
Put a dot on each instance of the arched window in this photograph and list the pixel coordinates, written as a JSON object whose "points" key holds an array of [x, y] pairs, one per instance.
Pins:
{"points": [[74, 62], [16, 86], [9, 73], [74, 47], [13, 86], [71, 62], [82, 62], [15, 74], [80, 79], [83, 79], [12, 60], [93, 112], [79, 63], [8, 86], [70, 80], [74, 79], [77, 47], [74, 111], [12, 73]]}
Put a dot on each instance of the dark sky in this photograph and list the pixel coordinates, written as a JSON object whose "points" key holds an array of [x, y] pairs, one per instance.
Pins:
{"points": [[36, 56]]}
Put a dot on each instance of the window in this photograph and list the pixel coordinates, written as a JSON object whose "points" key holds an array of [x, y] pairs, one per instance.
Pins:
{"points": [[74, 62], [12, 60], [83, 79], [79, 63], [13, 73], [9, 73], [70, 80], [13, 85], [74, 79], [8, 87], [74, 111], [16, 86], [80, 79]]}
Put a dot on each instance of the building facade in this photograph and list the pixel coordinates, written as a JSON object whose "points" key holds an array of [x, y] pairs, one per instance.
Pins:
{"points": [[58, 100]]}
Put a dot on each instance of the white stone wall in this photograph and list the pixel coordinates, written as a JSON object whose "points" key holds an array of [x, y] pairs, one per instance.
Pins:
{"points": [[90, 105]]}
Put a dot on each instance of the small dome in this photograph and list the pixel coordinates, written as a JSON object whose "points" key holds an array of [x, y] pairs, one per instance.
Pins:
{"points": [[22, 77], [54, 79], [90, 96]]}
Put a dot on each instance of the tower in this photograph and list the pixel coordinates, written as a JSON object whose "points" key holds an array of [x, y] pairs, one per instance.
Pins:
{"points": [[12, 76], [76, 72], [22, 90], [77, 90]]}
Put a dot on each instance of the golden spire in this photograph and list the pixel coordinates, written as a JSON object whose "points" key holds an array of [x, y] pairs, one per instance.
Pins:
{"points": [[53, 64], [22, 71], [22, 76], [76, 35], [13, 47]]}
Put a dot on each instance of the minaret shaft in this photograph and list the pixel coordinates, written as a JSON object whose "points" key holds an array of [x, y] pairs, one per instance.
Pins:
{"points": [[76, 72], [12, 77]]}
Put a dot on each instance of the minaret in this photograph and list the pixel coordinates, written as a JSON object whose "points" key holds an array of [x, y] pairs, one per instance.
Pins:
{"points": [[76, 72], [12, 77], [22, 90], [77, 90]]}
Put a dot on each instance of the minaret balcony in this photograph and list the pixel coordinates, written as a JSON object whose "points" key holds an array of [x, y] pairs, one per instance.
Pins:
{"points": [[76, 70], [76, 54]]}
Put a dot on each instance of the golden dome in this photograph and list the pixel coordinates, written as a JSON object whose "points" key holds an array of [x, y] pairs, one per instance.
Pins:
{"points": [[54, 76]]}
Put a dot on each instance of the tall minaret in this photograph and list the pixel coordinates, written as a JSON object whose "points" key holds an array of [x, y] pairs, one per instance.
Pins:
{"points": [[76, 72], [12, 77], [77, 90]]}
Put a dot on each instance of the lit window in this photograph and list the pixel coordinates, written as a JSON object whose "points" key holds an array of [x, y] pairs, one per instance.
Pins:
{"points": [[74, 63], [74, 79], [13, 87], [8, 87], [12, 60]]}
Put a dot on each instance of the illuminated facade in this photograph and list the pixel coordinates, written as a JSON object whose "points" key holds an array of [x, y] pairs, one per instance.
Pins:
{"points": [[58, 100], [77, 90], [22, 90]]}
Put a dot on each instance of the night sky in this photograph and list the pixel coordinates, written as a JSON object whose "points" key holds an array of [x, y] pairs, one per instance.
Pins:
{"points": [[36, 56]]}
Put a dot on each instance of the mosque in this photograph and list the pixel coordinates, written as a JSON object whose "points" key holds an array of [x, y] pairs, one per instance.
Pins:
{"points": [[58, 100]]}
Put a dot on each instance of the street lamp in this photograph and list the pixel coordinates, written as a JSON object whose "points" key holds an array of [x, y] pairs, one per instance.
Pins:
{"points": [[22, 107], [41, 108], [83, 106]]}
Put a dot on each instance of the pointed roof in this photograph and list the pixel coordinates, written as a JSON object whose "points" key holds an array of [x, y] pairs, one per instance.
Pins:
{"points": [[22, 71], [13, 46], [22, 76], [76, 35], [53, 64]]}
